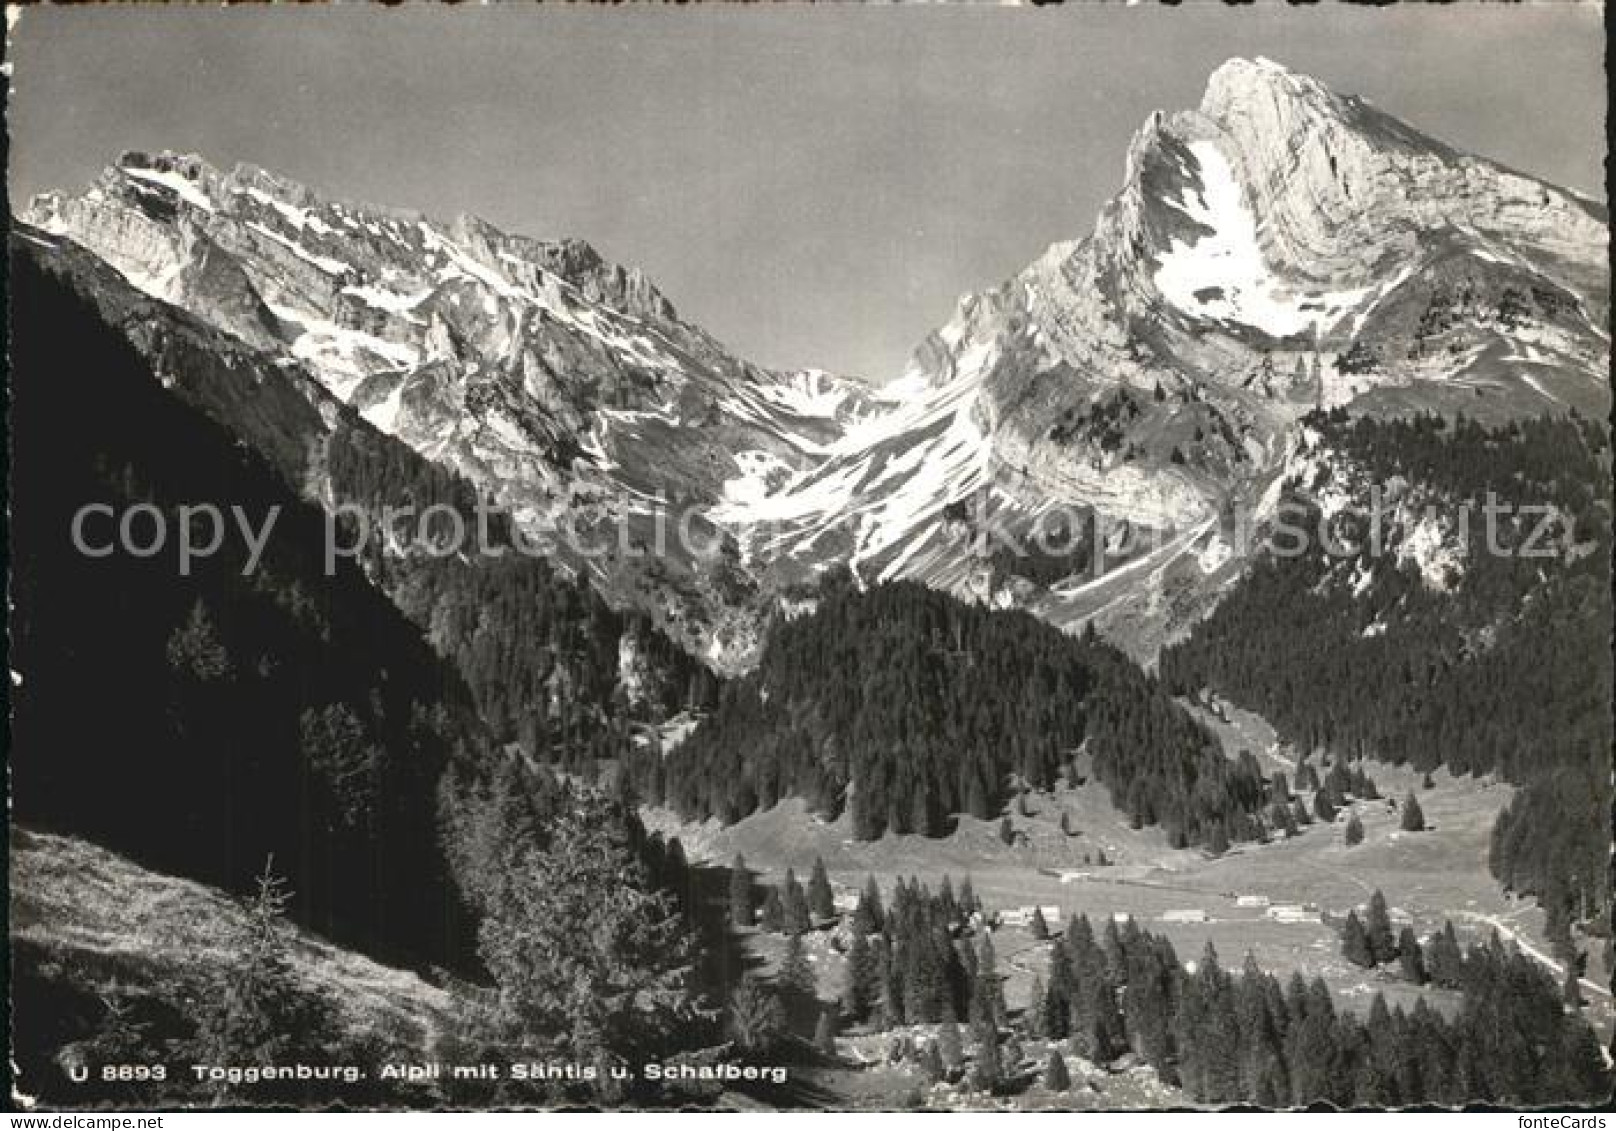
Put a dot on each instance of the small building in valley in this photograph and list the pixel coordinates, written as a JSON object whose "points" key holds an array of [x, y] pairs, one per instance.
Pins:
{"points": [[1184, 915]]}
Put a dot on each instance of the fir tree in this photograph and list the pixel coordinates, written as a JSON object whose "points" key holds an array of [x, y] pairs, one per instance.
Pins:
{"points": [[630, 984], [1354, 833], [868, 916], [1446, 961], [821, 901], [1007, 831], [740, 893], [1322, 808], [1413, 816], [987, 1070], [1056, 1077], [195, 650], [1571, 991], [756, 1019], [987, 980], [794, 906], [1057, 1004], [1097, 1030], [1355, 943], [1036, 926], [862, 990], [773, 918], [1378, 929], [1577, 1070], [950, 1045], [825, 1032], [1033, 1019], [261, 1011], [796, 978], [1411, 959]]}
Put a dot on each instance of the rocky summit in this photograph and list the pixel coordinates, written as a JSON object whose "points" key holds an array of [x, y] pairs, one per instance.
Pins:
{"points": [[1279, 248]]}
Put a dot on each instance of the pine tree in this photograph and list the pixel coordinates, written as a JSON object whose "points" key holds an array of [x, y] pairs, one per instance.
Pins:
{"points": [[931, 1064], [1413, 816], [740, 893], [1007, 831], [1354, 834], [1378, 929], [1037, 927], [1056, 1077], [1355, 943], [821, 901]]}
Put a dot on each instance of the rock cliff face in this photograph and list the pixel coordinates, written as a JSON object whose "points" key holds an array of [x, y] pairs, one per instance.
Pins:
{"points": [[1278, 248]]}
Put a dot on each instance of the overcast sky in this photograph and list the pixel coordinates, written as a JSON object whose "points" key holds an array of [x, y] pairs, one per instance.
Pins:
{"points": [[816, 186]]}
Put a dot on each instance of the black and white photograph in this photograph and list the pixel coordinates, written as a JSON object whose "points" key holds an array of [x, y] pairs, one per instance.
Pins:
{"points": [[808, 558]]}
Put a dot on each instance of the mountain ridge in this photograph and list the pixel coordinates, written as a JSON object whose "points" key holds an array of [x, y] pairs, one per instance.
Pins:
{"points": [[1278, 248]]}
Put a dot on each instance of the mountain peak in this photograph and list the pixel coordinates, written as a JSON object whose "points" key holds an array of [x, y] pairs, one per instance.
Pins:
{"points": [[1240, 84]]}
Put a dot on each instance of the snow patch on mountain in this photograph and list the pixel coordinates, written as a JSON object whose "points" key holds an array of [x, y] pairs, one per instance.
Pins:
{"points": [[1223, 276], [174, 183], [323, 262]]}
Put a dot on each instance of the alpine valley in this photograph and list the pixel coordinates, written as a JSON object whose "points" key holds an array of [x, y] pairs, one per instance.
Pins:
{"points": [[812, 618]]}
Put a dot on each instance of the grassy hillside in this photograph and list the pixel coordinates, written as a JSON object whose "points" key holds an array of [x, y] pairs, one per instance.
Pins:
{"points": [[91, 928]]}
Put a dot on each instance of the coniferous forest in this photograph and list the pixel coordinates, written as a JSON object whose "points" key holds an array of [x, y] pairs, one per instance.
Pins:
{"points": [[924, 957], [908, 707], [1505, 670]]}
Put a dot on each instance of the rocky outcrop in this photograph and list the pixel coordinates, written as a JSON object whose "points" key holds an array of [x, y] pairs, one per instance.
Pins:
{"points": [[536, 368]]}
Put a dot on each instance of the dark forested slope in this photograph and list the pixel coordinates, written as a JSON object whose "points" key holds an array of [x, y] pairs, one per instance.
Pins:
{"points": [[1499, 663], [909, 706], [203, 723]]}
